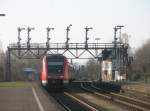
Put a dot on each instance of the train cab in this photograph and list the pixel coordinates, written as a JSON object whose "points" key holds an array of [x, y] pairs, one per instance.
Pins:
{"points": [[55, 71]]}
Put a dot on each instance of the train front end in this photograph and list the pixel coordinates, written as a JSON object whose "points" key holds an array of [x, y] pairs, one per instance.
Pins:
{"points": [[55, 71]]}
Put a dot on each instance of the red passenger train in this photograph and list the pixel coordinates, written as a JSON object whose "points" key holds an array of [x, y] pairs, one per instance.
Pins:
{"points": [[55, 71]]}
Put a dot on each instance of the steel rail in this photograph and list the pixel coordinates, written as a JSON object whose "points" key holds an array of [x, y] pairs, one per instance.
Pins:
{"points": [[48, 94], [81, 102], [133, 103]]}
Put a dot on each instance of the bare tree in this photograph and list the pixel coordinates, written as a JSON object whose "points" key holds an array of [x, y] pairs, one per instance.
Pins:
{"points": [[92, 68], [2, 62], [141, 64]]}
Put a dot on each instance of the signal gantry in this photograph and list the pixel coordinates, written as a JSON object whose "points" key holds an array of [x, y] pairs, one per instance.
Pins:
{"points": [[38, 50]]}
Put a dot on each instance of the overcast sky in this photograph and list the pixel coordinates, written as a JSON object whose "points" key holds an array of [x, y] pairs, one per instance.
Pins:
{"points": [[102, 15]]}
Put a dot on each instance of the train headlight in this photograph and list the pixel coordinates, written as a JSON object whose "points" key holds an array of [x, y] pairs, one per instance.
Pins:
{"points": [[44, 82]]}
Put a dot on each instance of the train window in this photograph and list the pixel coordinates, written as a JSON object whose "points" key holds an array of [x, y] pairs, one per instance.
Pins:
{"points": [[55, 65]]}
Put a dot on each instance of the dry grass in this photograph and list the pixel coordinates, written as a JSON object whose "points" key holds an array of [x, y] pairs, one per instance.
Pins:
{"points": [[13, 84]]}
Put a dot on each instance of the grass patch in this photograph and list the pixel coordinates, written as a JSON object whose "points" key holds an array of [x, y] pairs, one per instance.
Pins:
{"points": [[13, 84]]}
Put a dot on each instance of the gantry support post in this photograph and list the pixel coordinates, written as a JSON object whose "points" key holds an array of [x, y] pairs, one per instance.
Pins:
{"points": [[100, 59], [120, 27], [119, 53], [115, 41], [125, 60], [8, 65], [114, 53]]}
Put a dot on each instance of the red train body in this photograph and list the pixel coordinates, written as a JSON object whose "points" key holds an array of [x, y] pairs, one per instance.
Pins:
{"points": [[55, 71]]}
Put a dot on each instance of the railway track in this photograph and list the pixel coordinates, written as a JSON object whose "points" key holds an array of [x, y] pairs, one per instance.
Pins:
{"points": [[130, 93], [69, 102], [72, 100], [93, 100], [124, 100], [137, 95]]}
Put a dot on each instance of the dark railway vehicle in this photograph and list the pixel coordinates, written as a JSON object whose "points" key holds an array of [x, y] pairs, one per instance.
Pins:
{"points": [[55, 71]]}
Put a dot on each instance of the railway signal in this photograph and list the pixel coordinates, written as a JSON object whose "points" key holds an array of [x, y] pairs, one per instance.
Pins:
{"points": [[120, 27], [86, 36], [48, 38], [67, 36], [19, 31], [19, 39], [28, 40]]}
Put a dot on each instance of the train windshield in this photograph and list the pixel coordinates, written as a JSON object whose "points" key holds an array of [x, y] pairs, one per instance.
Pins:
{"points": [[55, 65]]}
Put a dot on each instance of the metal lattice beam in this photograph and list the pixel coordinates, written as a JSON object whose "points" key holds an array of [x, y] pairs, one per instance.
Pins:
{"points": [[36, 48]]}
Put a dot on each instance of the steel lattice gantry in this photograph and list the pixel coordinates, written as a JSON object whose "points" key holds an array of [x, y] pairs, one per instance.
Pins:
{"points": [[38, 50]]}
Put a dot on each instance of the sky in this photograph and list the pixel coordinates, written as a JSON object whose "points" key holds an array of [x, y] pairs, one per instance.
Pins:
{"points": [[102, 15]]}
